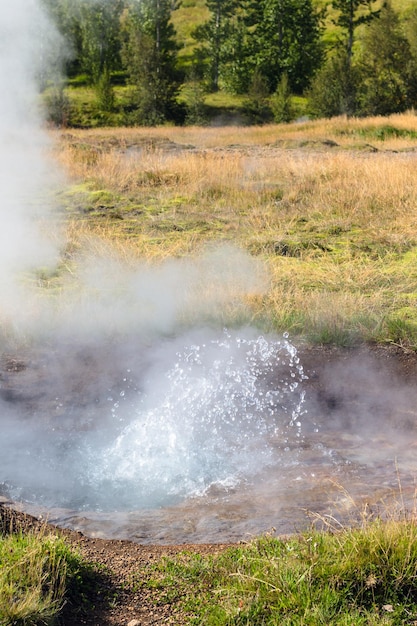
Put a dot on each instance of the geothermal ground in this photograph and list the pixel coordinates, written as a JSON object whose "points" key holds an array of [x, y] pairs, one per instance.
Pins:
{"points": [[378, 386]]}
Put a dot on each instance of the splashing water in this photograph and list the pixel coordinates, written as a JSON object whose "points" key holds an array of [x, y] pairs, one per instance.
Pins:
{"points": [[209, 411], [217, 415], [205, 437]]}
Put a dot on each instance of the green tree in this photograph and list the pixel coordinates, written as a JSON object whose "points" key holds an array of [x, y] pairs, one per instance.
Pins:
{"points": [[214, 35], [256, 105], [351, 15], [287, 40], [410, 28], [66, 17], [384, 66], [193, 95], [150, 54], [409, 24], [333, 90], [100, 45], [267, 38], [281, 103], [238, 64]]}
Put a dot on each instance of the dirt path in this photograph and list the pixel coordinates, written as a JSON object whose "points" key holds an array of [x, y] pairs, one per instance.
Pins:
{"points": [[121, 597]]}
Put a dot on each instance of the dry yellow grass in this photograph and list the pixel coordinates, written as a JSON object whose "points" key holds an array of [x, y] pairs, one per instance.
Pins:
{"points": [[345, 131], [330, 207]]}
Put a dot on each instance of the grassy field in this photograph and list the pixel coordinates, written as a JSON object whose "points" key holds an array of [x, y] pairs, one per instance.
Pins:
{"points": [[328, 207]]}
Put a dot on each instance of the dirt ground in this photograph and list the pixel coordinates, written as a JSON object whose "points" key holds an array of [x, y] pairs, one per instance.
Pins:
{"points": [[118, 597]]}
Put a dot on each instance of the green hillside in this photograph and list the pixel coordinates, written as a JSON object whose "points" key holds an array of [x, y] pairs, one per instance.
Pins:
{"points": [[190, 14]]}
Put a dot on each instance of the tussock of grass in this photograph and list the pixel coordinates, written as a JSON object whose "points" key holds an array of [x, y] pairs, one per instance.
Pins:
{"points": [[40, 575], [362, 575], [36, 572]]}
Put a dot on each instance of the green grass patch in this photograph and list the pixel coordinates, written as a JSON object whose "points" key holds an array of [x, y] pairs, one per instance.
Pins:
{"points": [[39, 575], [365, 575], [380, 132], [221, 99]]}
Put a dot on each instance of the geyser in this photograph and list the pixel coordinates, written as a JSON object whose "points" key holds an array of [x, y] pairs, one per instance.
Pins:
{"points": [[209, 418], [209, 410], [204, 435]]}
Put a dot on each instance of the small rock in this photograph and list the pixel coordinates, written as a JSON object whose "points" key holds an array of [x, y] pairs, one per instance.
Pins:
{"points": [[134, 622]]}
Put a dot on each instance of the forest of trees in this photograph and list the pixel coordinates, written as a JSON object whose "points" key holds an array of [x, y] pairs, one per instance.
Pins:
{"points": [[266, 51]]}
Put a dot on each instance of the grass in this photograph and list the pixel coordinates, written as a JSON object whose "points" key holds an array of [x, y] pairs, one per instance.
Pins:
{"points": [[328, 208], [364, 575], [39, 575]]}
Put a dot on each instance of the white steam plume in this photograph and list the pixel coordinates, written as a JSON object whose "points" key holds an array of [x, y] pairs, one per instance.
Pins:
{"points": [[108, 297], [26, 38]]}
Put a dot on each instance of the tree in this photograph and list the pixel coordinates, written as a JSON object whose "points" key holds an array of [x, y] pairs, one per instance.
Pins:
{"points": [[238, 63], [384, 66], [266, 38], [257, 105], [333, 90], [288, 41], [409, 25], [281, 103], [352, 14], [100, 45], [149, 54], [66, 17], [214, 35], [410, 28]]}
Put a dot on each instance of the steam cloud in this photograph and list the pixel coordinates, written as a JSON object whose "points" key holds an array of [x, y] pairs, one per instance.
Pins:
{"points": [[97, 336], [105, 296], [25, 176]]}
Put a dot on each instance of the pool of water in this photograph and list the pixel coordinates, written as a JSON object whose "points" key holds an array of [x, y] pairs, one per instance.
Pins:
{"points": [[207, 437]]}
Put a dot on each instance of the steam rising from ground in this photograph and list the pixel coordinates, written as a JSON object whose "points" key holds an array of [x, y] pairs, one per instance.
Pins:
{"points": [[25, 175], [105, 295]]}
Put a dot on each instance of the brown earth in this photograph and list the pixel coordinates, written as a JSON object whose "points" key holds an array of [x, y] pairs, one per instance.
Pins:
{"points": [[118, 595]]}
